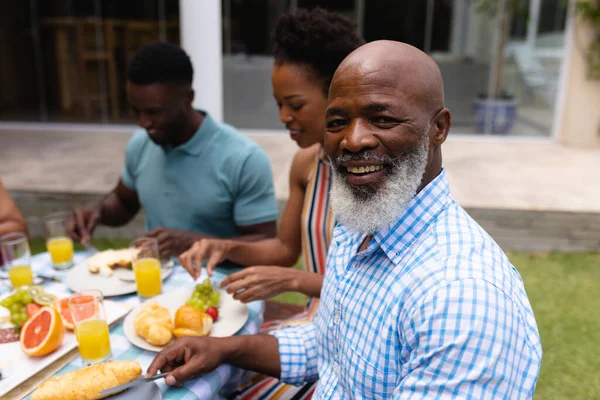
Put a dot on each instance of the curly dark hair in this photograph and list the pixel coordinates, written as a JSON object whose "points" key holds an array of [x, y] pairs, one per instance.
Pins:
{"points": [[160, 62], [317, 38]]}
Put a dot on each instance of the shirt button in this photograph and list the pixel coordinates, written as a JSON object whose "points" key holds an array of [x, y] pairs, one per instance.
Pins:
{"points": [[336, 367], [336, 318]]}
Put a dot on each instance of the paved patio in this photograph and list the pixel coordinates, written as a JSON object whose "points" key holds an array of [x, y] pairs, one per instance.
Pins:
{"points": [[529, 194]]}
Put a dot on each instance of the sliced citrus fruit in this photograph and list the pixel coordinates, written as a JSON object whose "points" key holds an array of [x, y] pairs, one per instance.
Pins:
{"points": [[83, 306], [62, 306], [43, 333], [32, 309]]}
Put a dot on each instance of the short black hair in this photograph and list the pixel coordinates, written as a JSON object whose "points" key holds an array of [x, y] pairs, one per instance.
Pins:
{"points": [[160, 62], [317, 38]]}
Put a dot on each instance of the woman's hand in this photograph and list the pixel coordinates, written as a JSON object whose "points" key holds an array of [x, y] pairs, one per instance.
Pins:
{"points": [[213, 250], [261, 283]]}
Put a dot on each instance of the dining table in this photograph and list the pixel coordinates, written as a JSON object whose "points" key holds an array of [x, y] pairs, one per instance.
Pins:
{"points": [[213, 385]]}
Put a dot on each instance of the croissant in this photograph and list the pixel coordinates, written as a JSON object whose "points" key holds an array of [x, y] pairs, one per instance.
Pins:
{"points": [[88, 382], [189, 321], [154, 324]]}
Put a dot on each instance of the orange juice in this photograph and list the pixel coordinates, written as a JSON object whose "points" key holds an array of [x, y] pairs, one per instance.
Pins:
{"points": [[20, 275], [147, 277], [93, 339], [60, 249]]}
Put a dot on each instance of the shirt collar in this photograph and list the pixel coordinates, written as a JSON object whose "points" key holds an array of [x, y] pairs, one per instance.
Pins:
{"points": [[196, 144], [419, 212]]}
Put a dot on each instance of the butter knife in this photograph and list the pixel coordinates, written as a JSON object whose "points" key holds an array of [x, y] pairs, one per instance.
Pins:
{"points": [[139, 381]]}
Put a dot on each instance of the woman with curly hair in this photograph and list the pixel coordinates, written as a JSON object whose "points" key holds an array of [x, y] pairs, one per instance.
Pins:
{"points": [[308, 47]]}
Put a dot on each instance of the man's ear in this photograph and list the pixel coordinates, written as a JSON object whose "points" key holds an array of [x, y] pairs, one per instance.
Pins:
{"points": [[190, 97], [441, 126]]}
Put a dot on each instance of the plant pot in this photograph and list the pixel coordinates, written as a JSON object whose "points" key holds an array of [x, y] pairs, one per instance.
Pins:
{"points": [[495, 116]]}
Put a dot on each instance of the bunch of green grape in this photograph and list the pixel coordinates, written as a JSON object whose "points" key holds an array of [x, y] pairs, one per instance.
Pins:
{"points": [[17, 305], [204, 296]]}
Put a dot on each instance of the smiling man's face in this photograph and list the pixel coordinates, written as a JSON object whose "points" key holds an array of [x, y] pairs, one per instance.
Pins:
{"points": [[378, 128]]}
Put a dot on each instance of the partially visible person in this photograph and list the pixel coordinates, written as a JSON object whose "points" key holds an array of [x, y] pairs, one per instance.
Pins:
{"points": [[195, 177], [418, 301], [11, 219]]}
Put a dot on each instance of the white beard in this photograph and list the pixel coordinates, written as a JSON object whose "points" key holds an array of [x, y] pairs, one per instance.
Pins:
{"points": [[367, 213]]}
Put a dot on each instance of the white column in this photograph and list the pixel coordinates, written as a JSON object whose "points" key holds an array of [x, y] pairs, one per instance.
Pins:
{"points": [[534, 20], [201, 39]]}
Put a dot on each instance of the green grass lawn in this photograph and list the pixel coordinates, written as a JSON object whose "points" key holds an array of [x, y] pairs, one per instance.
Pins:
{"points": [[564, 293]]}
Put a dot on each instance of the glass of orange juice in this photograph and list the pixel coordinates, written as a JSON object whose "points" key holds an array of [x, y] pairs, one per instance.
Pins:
{"points": [[17, 258], [58, 243], [146, 267], [91, 327]]}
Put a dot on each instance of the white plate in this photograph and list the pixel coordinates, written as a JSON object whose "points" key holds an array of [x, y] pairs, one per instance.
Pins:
{"points": [[233, 315], [79, 278], [17, 367]]}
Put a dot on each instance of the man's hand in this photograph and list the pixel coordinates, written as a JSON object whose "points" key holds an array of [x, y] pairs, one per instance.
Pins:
{"points": [[215, 250], [261, 283], [171, 242], [188, 357], [82, 223]]}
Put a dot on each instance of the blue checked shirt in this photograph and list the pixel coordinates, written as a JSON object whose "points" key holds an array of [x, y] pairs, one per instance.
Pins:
{"points": [[431, 309]]}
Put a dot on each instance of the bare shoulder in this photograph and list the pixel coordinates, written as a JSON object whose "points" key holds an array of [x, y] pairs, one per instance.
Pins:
{"points": [[303, 163]]}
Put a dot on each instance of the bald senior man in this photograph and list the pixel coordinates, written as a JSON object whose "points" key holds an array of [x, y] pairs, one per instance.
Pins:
{"points": [[418, 301]]}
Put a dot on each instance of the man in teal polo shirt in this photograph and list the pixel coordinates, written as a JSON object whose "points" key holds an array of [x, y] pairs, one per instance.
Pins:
{"points": [[194, 177]]}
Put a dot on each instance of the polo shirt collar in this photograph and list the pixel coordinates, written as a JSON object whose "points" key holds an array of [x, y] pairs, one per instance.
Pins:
{"points": [[197, 143]]}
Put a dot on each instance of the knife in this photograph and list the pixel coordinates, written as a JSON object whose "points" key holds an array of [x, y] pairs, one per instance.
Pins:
{"points": [[139, 381], [49, 278]]}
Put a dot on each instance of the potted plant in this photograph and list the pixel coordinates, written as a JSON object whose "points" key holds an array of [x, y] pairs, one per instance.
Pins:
{"points": [[589, 10], [496, 112]]}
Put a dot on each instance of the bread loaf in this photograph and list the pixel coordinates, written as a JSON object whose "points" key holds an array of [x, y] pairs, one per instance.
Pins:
{"points": [[154, 324], [88, 382]]}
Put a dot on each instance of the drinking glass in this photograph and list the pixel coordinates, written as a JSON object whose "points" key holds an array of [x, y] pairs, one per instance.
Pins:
{"points": [[146, 267], [91, 326], [58, 243], [17, 258]]}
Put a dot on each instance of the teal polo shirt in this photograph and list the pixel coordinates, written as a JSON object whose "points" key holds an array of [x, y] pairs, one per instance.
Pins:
{"points": [[217, 180]]}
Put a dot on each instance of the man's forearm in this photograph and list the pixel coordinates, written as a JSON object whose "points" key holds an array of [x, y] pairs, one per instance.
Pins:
{"points": [[113, 212], [259, 353]]}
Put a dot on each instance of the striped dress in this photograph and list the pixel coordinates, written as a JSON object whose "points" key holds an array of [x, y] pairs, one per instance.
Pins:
{"points": [[317, 230]]}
